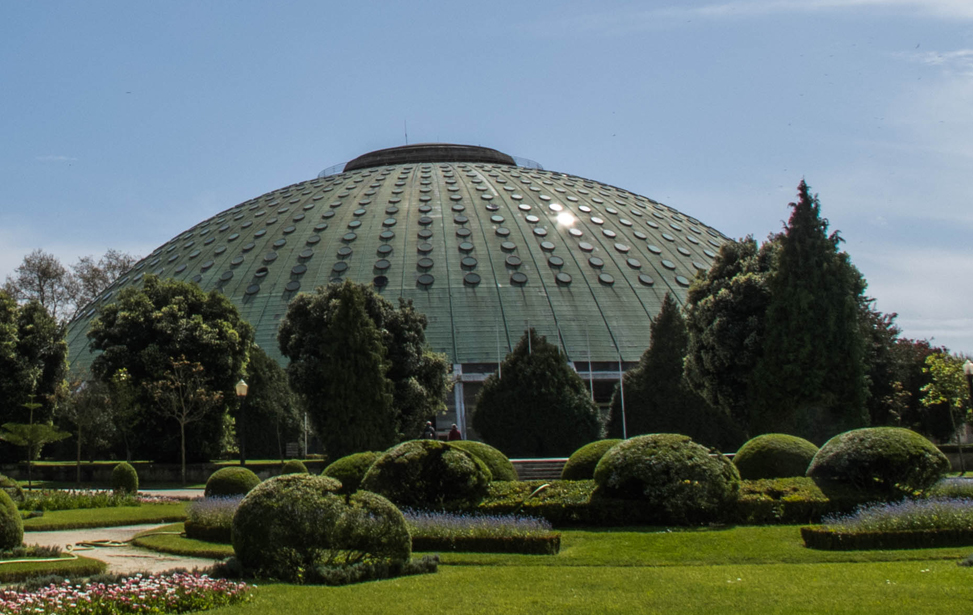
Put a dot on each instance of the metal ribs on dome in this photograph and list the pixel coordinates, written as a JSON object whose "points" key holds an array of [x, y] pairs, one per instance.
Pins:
{"points": [[484, 249]]}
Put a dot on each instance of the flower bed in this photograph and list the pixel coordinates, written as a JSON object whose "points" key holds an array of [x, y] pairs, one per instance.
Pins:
{"points": [[909, 524], [441, 531], [211, 518], [173, 593]]}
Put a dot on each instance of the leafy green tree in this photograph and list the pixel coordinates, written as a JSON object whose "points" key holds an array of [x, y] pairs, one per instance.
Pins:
{"points": [[947, 388], [43, 279], [420, 378], [146, 329], [88, 408], [810, 379], [339, 366], [540, 407], [657, 397], [273, 412], [725, 314], [32, 436], [182, 394]]}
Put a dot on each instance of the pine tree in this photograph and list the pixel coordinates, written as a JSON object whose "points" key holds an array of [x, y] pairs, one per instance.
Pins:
{"points": [[810, 380], [540, 407], [657, 397]]}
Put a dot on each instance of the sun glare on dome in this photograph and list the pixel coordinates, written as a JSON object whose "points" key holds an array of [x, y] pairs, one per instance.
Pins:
{"points": [[565, 219]]}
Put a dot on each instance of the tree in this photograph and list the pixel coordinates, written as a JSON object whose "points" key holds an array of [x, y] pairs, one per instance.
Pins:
{"points": [[810, 378], [90, 278], [42, 278], [273, 415], [147, 328], [32, 436], [725, 313], [657, 397], [339, 366], [540, 407], [420, 378], [182, 394], [947, 387], [88, 408]]}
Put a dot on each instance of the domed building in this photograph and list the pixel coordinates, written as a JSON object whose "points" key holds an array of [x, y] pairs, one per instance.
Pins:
{"points": [[484, 246]]}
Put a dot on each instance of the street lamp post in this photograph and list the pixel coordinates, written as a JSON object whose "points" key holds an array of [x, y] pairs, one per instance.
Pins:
{"points": [[241, 394]]}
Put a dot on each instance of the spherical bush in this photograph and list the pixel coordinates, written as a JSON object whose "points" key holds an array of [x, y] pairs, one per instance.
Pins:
{"points": [[124, 479], [774, 455], [351, 469], [428, 474], [581, 464], [671, 474], [234, 480], [893, 460], [11, 525], [500, 467], [289, 525], [12, 488], [294, 466]]}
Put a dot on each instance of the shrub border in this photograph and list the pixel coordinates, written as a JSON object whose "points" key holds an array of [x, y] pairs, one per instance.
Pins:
{"points": [[828, 539], [208, 533], [527, 545]]}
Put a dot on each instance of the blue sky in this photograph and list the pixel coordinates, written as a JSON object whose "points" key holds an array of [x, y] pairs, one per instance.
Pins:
{"points": [[124, 123]]}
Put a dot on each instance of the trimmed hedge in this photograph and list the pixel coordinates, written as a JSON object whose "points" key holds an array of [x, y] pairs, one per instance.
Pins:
{"points": [[233, 480], [351, 469], [295, 527], [500, 467], [208, 533], [11, 524], [895, 460], [124, 479], [293, 466], [12, 487], [833, 540], [672, 475], [527, 545], [581, 465], [795, 500], [774, 455], [428, 474]]}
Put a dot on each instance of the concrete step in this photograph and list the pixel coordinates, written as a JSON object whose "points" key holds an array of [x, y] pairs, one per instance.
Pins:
{"points": [[539, 469]]}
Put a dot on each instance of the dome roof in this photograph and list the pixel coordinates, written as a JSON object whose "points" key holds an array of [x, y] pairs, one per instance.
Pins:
{"points": [[483, 247]]}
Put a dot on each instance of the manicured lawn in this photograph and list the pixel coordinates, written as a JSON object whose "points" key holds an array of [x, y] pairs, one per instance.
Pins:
{"points": [[77, 567], [179, 545], [106, 517]]}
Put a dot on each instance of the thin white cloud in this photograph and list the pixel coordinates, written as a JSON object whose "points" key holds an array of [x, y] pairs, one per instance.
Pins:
{"points": [[53, 158], [951, 9]]}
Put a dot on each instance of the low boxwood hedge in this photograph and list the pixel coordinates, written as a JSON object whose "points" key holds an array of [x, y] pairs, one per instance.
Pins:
{"points": [[774, 455], [500, 467], [836, 540], [209, 533], [581, 465], [527, 545], [795, 500]]}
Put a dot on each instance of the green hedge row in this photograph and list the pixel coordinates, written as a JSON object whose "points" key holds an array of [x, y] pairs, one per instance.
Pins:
{"points": [[791, 501], [209, 533], [833, 540], [528, 545]]}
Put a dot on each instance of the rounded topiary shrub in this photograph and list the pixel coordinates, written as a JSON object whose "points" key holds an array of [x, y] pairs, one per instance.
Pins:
{"points": [[234, 480], [290, 525], [12, 487], [124, 479], [351, 469], [774, 455], [293, 466], [889, 459], [581, 464], [428, 474], [671, 474], [11, 524], [500, 467]]}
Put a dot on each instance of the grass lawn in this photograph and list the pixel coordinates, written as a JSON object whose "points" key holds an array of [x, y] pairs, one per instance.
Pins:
{"points": [[179, 545], [730, 570], [106, 517], [67, 567]]}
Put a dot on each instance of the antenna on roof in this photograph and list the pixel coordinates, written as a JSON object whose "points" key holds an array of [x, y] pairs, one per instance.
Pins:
{"points": [[405, 123]]}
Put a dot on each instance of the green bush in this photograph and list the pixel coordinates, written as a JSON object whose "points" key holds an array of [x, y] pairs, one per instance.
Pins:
{"points": [[428, 474], [795, 500], [774, 455], [124, 479], [294, 466], [234, 480], [671, 474], [11, 524], [351, 469], [291, 527], [581, 464], [893, 460], [500, 467], [12, 488]]}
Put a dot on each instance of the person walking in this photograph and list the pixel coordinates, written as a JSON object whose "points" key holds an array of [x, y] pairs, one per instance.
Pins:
{"points": [[454, 434], [429, 433]]}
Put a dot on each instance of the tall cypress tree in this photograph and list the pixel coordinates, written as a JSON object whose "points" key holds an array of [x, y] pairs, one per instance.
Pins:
{"points": [[810, 380], [657, 397]]}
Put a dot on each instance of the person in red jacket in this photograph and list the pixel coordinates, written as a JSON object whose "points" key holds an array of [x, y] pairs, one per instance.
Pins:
{"points": [[454, 434]]}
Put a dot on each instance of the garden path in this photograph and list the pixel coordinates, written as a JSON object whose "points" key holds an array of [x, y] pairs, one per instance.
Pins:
{"points": [[120, 559]]}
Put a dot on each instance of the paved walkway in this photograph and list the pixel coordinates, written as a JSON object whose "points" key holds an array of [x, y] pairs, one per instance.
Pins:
{"points": [[179, 494], [121, 559]]}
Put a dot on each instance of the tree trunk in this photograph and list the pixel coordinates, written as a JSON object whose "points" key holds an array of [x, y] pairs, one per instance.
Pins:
{"points": [[182, 434], [77, 478]]}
